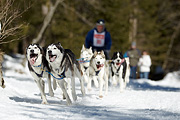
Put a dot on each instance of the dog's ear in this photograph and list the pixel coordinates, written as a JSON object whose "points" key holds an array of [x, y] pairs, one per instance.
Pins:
{"points": [[95, 53], [102, 52], [114, 55], [121, 54], [83, 48], [59, 43]]}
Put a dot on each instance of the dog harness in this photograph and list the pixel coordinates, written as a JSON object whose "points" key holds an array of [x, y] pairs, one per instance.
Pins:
{"points": [[97, 72], [119, 67], [61, 76], [39, 75], [81, 60]]}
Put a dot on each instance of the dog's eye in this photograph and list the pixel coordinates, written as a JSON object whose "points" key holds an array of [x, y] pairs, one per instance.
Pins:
{"points": [[54, 48], [35, 47]]}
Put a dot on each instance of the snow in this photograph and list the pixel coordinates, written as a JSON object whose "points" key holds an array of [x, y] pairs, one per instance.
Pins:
{"points": [[143, 99]]}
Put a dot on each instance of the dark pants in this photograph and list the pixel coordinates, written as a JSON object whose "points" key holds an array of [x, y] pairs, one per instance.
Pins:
{"points": [[133, 72]]}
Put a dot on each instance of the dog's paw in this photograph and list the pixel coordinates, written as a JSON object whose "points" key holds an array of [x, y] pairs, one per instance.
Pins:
{"points": [[100, 96], [114, 83], [69, 103], [44, 102], [89, 89], [3, 86], [121, 90]]}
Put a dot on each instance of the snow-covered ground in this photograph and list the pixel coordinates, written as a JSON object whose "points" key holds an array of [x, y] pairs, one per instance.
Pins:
{"points": [[142, 100]]}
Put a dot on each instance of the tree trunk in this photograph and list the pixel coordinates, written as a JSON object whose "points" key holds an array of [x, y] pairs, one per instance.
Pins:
{"points": [[133, 23], [176, 31], [46, 21]]}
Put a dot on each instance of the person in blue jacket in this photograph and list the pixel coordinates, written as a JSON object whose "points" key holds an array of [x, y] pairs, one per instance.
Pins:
{"points": [[99, 38]]}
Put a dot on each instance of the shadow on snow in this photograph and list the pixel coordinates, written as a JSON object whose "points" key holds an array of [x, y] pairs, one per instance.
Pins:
{"points": [[133, 84]]}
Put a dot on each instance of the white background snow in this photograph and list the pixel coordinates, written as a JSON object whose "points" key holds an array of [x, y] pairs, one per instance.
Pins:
{"points": [[142, 100]]}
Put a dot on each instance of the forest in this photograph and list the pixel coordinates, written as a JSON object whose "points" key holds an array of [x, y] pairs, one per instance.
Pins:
{"points": [[153, 24]]}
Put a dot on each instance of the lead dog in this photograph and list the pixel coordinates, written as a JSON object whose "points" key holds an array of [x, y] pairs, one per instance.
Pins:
{"points": [[99, 72], [38, 66], [120, 70], [85, 57], [64, 65]]}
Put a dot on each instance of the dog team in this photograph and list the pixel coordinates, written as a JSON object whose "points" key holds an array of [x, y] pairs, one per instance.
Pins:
{"points": [[63, 67]]}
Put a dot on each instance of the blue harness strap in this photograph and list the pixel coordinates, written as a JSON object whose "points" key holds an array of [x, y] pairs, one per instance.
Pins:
{"points": [[81, 60], [61, 76]]}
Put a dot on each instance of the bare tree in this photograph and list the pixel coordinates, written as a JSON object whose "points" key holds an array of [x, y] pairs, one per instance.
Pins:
{"points": [[8, 15]]}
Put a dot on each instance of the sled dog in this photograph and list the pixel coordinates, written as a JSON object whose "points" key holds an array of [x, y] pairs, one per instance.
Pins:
{"points": [[38, 66], [120, 70], [85, 57], [63, 65], [98, 72]]}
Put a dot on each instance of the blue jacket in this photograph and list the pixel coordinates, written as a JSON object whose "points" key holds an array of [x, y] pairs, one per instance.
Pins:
{"points": [[89, 40]]}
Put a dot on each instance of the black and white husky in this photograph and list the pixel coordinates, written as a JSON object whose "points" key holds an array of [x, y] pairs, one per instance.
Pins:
{"points": [[63, 65], [98, 72], [85, 57], [38, 66], [120, 70]]}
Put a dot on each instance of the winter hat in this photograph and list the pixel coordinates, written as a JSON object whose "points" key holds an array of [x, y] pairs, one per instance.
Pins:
{"points": [[100, 22], [133, 44]]}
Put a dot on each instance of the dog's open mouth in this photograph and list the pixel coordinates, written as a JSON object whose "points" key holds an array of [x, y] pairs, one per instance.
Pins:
{"points": [[33, 58], [118, 64], [99, 66], [52, 58]]}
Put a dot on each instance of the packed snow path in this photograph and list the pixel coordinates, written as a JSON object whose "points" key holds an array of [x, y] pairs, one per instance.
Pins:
{"points": [[142, 99]]}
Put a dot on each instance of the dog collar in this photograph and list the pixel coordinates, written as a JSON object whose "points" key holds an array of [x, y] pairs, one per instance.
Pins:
{"points": [[37, 66]]}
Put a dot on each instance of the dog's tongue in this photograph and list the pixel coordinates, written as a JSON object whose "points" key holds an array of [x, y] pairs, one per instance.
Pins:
{"points": [[99, 66], [32, 60], [52, 58]]}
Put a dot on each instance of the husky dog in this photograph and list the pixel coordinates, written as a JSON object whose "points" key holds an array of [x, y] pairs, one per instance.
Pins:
{"points": [[120, 70], [85, 57], [38, 66], [99, 72], [63, 65]]}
